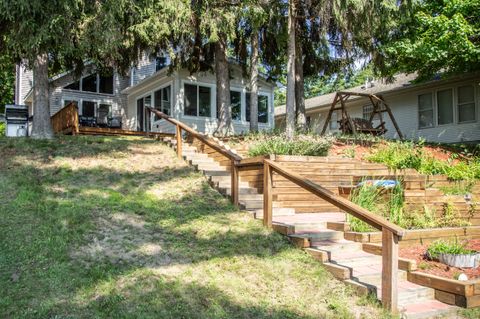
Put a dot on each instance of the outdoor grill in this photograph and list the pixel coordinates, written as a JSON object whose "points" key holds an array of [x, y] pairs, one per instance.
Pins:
{"points": [[16, 118]]}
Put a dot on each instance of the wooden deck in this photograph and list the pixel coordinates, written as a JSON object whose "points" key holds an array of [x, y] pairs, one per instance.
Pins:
{"points": [[84, 130]]}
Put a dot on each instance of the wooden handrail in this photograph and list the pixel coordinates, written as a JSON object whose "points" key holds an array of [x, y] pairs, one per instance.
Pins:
{"points": [[205, 139], [344, 204], [391, 233]]}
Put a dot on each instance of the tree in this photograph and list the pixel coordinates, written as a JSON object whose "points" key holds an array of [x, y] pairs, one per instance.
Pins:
{"points": [[41, 33], [439, 37], [290, 107]]}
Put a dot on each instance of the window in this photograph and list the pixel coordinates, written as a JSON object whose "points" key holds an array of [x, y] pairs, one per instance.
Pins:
{"points": [[367, 112], [88, 108], [197, 100], [445, 107], [262, 108], [162, 101], [333, 125], [89, 83], [106, 84], [466, 104], [425, 110], [140, 111], [236, 102], [73, 86]]}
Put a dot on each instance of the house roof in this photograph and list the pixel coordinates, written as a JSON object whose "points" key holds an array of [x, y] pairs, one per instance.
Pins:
{"points": [[402, 82]]}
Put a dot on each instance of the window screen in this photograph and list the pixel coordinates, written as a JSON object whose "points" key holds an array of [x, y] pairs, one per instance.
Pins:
{"points": [[190, 101]]}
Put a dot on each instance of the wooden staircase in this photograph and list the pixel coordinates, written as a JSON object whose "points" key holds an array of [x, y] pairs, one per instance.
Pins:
{"points": [[320, 236]]}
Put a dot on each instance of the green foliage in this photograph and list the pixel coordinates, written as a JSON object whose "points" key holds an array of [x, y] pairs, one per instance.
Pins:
{"points": [[301, 144], [7, 81], [440, 36], [447, 247], [366, 196], [401, 155], [2, 129]]}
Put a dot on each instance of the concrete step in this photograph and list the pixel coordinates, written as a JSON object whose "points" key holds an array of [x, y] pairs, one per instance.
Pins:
{"points": [[276, 211], [325, 234], [251, 204], [255, 196], [427, 309], [241, 191]]}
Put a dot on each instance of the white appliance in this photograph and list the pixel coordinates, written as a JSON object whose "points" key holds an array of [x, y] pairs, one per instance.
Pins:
{"points": [[16, 118]]}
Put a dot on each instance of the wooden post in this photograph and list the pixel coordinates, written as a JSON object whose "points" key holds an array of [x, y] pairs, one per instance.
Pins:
{"points": [[267, 195], [179, 141], [235, 181], [76, 126], [389, 270]]}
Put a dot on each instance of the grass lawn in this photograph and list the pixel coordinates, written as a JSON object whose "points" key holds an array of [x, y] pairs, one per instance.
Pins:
{"points": [[119, 228]]}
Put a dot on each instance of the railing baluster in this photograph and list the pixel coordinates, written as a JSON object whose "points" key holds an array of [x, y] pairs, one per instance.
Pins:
{"points": [[179, 141], [235, 181], [389, 270], [267, 195]]}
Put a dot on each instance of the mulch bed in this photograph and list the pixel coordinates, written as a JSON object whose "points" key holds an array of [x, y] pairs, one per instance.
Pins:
{"points": [[417, 252]]}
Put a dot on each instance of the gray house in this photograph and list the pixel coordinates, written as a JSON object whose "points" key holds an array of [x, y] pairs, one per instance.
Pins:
{"points": [[187, 97], [445, 110]]}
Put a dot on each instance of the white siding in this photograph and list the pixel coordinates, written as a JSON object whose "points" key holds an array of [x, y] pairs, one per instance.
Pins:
{"points": [[202, 124], [144, 68]]}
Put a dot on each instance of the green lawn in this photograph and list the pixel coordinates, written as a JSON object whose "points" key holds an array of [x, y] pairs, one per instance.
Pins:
{"points": [[119, 228]]}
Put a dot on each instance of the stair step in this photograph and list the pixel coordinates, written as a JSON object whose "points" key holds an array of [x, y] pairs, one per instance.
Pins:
{"points": [[426, 309], [241, 191], [337, 246], [276, 211], [325, 234], [251, 204]]}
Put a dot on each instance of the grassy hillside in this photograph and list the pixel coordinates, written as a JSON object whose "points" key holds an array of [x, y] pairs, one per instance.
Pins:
{"points": [[119, 228]]}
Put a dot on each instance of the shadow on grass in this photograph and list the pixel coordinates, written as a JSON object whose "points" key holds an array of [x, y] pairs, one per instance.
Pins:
{"points": [[50, 212], [69, 146]]}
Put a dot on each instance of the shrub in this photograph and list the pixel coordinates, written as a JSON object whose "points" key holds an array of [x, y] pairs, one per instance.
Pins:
{"points": [[2, 129], [401, 155], [309, 145], [447, 247]]}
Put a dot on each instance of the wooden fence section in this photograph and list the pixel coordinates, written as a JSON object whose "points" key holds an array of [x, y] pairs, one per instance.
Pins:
{"points": [[391, 233], [66, 121]]}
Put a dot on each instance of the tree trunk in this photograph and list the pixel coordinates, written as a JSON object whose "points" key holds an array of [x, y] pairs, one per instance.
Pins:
{"points": [[299, 82], [290, 114], [254, 84], [224, 107], [42, 126]]}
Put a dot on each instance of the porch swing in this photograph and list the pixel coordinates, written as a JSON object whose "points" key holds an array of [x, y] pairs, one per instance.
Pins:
{"points": [[354, 126]]}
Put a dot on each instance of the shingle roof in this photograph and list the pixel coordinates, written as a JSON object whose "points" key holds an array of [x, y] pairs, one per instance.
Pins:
{"points": [[400, 81]]}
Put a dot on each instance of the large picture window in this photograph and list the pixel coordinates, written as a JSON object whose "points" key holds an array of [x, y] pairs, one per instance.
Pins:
{"points": [[445, 107], [236, 102], [197, 100], [425, 110], [163, 101], [93, 83], [88, 108], [262, 108], [466, 104]]}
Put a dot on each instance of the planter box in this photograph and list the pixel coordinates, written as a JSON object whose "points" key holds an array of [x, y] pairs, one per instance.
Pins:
{"points": [[460, 261]]}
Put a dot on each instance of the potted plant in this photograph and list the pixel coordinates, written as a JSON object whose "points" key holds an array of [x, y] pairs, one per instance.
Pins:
{"points": [[453, 253]]}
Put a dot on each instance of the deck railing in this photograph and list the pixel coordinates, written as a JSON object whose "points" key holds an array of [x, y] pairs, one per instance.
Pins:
{"points": [[66, 120], [391, 233], [232, 157]]}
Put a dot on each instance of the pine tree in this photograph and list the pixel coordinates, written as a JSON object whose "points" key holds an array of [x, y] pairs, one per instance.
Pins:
{"points": [[42, 34]]}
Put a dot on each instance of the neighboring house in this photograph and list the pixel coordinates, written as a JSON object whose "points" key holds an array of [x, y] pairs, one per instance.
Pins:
{"points": [[445, 111], [188, 98]]}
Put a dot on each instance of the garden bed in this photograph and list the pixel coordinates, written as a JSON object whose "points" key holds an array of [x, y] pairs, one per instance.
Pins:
{"points": [[417, 252]]}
